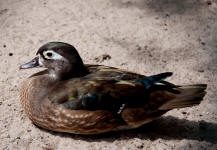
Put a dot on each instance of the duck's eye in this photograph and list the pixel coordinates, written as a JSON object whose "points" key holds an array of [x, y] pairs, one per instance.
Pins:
{"points": [[49, 54]]}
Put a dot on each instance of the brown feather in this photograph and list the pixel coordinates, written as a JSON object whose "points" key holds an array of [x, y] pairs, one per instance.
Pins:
{"points": [[190, 95]]}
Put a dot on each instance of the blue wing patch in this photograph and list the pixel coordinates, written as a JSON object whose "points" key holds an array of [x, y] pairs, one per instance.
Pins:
{"points": [[90, 99], [151, 80]]}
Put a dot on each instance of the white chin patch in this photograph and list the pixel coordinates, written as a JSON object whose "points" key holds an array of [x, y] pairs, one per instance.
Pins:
{"points": [[50, 54], [40, 61], [52, 74]]}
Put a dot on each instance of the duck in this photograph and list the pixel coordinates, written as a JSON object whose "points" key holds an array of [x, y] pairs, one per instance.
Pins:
{"points": [[72, 97]]}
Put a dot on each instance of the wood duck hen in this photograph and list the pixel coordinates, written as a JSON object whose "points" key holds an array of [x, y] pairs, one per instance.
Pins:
{"points": [[70, 96]]}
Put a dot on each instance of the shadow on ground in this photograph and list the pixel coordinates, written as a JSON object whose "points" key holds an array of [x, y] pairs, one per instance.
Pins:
{"points": [[171, 6], [168, 128], [174, 13]]}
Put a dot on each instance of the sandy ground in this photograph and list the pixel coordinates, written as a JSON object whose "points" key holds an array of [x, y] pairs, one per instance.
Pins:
{"points": [[146, 36]]}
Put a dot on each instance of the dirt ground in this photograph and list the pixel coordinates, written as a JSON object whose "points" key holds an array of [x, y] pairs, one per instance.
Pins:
{"points": [[146, 36]]}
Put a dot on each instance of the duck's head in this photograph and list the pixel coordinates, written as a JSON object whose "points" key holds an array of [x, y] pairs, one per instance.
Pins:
{"points": [[61, 59]]}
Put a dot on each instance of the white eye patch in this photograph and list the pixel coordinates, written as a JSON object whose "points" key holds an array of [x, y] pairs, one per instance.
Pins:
{"points": [[50, 54]]}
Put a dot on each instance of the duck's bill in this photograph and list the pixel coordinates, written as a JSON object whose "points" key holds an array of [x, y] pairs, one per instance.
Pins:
{"points": [[32, 64]]}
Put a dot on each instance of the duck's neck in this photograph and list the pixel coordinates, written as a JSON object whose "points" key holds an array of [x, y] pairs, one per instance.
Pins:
{"points": [[65, 74]]}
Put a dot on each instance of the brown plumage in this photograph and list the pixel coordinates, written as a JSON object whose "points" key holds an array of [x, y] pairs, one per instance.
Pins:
{"points": [[90, 99]]}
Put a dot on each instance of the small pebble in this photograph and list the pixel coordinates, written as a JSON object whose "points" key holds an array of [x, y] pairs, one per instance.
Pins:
{"points": [[138, 144], [106, 57], [122, 64], [184, 112], [203, 43], [164, 61], [200, 70], [10, 54], [138, 47], [4, 46], [209, 2], [102, 58]]}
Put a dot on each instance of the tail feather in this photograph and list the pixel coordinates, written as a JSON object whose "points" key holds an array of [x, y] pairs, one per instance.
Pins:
{"points": [[190, 95], [151, 80]]}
